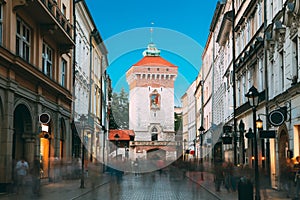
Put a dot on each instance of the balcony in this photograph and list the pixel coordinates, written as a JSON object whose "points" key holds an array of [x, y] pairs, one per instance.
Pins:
{"points": [[50, 18]]}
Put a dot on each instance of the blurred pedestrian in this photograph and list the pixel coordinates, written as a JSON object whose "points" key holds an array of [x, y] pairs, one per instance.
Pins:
{"points": [[287, 176], [22, 170], [245, 189], [297, 177], [218, 175], [136, 166], [160, 165], [228, 176], [35, 175]]}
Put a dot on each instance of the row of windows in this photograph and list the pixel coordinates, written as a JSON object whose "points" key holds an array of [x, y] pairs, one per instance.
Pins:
{"points": [[253, 23], [24, 48]]}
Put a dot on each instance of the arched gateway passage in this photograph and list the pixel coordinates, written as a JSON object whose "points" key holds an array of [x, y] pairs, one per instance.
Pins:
{"points": [[23, 134]]}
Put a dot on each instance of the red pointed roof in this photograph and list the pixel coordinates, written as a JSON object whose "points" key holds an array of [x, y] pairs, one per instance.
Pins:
{"points": [[153, 61]]}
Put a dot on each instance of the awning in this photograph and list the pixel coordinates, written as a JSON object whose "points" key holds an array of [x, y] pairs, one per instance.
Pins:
{"points": [[117, 134]]}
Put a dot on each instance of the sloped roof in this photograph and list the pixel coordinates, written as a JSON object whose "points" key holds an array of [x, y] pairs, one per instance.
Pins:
{"points": [[153, 61], [123, 134]]}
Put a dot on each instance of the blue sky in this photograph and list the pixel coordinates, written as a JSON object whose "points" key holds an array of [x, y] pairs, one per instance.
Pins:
{"points": [[180, 31]]}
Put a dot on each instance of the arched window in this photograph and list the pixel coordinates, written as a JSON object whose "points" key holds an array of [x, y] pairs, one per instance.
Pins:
{"points": [[154, 132]]}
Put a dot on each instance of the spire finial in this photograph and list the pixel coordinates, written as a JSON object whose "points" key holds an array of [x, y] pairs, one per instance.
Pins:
{"points": [[151, 32]]}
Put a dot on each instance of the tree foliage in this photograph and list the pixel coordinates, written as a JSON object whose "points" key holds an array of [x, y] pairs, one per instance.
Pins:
{"points": [[119, 116], [178, 122]]}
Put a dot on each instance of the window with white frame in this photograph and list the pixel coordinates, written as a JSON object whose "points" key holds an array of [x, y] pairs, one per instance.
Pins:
{"points": [[47, 58], [248, 36], [250, 78], [261, 74], [242, 39], [63, 72], [271, 74], [281, 68], [239, 91], [259, 14], [1, 21], [238, 43], [23, 40], [254, 75], [244, 88], [295, 58]]}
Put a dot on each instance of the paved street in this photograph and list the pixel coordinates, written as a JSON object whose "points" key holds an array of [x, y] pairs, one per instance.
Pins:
{"points": [[171, 184], [151, 186]]}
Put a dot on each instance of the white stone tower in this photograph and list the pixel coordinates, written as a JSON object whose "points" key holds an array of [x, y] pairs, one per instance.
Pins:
{"points": [[151, 105]]}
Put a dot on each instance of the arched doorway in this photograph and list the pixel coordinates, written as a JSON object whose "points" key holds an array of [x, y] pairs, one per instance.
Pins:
{"points": [[45, 154], [22, 131], [156, 154]]}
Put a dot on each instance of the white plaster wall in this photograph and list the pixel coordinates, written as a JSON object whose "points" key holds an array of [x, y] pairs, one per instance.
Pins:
{"points": [[141, 116]]}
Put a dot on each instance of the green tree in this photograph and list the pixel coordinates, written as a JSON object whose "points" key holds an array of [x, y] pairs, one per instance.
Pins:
{"points": [[178, 122], [119, 110]]}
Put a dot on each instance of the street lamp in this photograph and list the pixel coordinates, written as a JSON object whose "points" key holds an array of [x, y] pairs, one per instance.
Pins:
{"points": [[201, 130], [259, 123], [82, 121], [242, 143], [184, 150], [116, 138], [253, 99], [126, 152]]}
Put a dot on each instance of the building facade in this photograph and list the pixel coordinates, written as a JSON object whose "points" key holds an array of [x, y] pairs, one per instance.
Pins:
{"points": [[189, 122], [151, 106], [35, 77], [253, 43], [90, 87]]}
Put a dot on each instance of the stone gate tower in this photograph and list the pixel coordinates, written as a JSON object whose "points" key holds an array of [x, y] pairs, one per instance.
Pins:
{"points": [[151, 106]]}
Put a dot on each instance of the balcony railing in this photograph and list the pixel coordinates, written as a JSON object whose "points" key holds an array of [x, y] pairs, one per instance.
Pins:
{"points": [[60, 17], [50, 17]]}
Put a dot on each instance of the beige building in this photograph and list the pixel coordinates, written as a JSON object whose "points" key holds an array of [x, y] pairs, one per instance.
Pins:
{"points": [[36, 39]]}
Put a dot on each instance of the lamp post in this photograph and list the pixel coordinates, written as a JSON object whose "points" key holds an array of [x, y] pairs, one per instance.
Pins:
{"points": [[82, 121], [184, 150], [242, 142], [253, 99], [194, 142], [117, 138], [126, 152], [201, 130]]}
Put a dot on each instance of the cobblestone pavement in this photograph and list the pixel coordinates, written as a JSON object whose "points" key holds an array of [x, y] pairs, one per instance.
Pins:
{"points": [[172, 184], [208, 184], [151, 186]]}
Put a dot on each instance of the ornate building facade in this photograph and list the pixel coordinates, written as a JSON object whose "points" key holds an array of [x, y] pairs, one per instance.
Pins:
{"points": [[254, 43], [90, 87]]}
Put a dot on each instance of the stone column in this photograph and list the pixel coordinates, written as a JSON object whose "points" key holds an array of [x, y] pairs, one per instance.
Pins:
{"points": [[29, 149]]}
